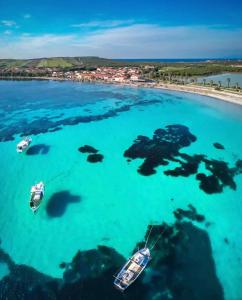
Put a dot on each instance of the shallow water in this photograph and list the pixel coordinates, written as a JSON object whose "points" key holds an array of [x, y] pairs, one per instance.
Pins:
{"points": [[110, 203]]}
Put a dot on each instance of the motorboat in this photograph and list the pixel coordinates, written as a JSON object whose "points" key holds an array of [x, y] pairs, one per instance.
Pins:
{"points": [[24, 144], [37, 194]]}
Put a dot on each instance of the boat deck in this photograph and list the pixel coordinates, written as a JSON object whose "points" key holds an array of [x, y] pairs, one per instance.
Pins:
{"points": [[132, 269]]}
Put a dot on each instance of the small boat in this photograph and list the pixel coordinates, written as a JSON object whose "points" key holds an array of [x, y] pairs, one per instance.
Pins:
{"points": [[37, 194], [132, 269], [24, 144]]}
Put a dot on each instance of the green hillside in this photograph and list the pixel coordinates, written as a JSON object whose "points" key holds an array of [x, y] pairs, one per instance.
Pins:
{"points": [[59, 62], [159, 70]]}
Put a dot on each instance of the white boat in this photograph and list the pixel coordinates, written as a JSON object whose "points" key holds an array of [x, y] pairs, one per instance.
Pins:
{"points": [[37, 194], [24, 144], [132, 269]]}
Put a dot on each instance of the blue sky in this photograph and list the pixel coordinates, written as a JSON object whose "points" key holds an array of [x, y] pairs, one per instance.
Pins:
{"points": [[121, 29]]}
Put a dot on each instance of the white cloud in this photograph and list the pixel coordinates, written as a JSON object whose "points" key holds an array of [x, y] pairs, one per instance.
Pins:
{"points": [[103, 24], [8, 23], [27, 46], [27, 16], [131, 41], [150, 40]]}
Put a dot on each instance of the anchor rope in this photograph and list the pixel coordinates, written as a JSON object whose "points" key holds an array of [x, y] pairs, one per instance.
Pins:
{"points": [[148, 236], [160, 235], [62, 173]]}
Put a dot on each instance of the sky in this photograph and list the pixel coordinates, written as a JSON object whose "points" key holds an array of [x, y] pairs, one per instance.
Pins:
{"points": [[121, 29]]}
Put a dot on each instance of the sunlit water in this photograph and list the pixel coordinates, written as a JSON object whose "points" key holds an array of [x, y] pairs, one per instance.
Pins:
{"points": [[109, 202]]}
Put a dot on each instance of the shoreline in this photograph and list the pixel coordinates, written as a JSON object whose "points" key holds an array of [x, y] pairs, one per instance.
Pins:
{"points": [[231, 97], [228, 96]]}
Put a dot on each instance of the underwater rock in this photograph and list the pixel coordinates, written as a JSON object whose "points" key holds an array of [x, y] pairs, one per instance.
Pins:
{"points": [[238, 167], [5, 258], [55, 129], [221, 177], [221, 170], [191, 214], [90, 275], [187, 168], [25, 283], [63, 265], [92, 263], [218, 146], [209, 184], [181, 260], [162, 148], [165, 147], [50, 124], [93, 158], [87, 149]]}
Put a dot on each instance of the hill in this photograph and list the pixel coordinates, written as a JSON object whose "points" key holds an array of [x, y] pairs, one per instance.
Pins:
{"points": [[155, 70], [59, 62]]}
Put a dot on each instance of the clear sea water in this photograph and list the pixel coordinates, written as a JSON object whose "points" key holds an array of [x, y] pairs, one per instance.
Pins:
{"points": [[109, 203]]}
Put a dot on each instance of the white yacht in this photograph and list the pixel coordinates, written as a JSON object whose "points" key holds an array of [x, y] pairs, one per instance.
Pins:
{"points": [[24, 144], [37, 194]]}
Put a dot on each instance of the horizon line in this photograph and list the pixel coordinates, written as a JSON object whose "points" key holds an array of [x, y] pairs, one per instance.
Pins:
{"points": [[127, 58]]}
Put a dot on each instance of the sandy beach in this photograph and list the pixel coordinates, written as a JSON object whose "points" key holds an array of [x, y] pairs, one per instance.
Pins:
{"points": [[206, 91], [229, 96]]}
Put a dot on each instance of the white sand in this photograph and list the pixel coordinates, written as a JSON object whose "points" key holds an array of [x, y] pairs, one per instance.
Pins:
{"points": [[206, 91]]}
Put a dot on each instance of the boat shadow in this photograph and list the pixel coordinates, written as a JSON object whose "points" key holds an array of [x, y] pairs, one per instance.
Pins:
{"points": [[58, 202], [38, 149]]}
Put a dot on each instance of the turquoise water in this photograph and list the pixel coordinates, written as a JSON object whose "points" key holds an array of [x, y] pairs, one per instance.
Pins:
{"points": [[234, 79], [109, 203]]}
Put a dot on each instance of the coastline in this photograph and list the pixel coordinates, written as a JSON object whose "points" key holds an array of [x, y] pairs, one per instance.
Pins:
{"points": [[231, 97], [228, 96]]}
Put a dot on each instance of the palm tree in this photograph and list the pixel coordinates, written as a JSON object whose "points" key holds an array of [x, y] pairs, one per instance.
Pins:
{"points": [[228, 80], [186, 78], [204, 81], [169, 77]]}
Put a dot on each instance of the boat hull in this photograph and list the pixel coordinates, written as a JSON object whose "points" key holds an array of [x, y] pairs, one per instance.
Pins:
{"points": [[132, 269], [23, 145], [37, 194]]}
